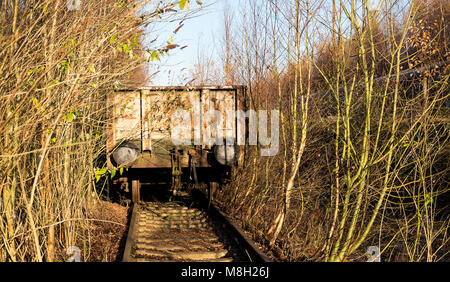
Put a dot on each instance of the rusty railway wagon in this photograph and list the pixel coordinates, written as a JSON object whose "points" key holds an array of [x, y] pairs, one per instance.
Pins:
{"points": [[141, 128]]}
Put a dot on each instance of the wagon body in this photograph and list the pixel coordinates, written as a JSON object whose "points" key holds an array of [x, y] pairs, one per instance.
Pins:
{"points": [[144, 120]]}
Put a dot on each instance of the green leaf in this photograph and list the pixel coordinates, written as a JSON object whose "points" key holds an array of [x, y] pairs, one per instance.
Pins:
{"points": [[66, 66], [99, 174], [53, 83], [121, 171], [70, 117], [182, 4], [155, 55], [126, 49], [113, 173], [113, 39]]}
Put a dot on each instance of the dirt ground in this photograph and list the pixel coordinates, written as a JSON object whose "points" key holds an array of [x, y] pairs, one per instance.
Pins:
{"points": [[107, 232]]}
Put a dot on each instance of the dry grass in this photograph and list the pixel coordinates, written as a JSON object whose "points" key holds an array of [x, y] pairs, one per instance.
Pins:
{"points": [[56, 67], [107, 232], [375, 157]]}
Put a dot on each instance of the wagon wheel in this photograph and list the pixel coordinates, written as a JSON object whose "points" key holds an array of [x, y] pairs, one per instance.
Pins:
{"points": [[135, 191]]}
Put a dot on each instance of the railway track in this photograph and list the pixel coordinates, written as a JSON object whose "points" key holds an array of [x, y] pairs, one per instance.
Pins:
{"points": [[186, 231]]}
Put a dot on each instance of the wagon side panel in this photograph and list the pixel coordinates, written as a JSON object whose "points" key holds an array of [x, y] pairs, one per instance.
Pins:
{"points": [[124, 119], [221, 125]]}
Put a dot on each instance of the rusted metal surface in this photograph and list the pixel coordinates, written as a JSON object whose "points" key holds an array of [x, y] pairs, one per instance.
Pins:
{"points": [[144, 116], [125, 114], [169, 232], [158, 107]]}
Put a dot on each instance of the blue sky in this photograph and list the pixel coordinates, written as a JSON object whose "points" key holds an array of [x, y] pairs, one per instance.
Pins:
{"points": [[201, 34]]}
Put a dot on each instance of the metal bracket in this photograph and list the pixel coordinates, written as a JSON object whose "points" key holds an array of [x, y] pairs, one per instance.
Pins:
{"points": [[176, 171]]}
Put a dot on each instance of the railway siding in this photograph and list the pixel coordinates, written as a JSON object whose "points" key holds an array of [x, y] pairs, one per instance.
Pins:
{"points": [[174, 232]]}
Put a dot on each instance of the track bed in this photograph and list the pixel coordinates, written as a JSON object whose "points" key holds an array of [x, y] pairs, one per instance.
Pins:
{"points": [[183, 232]]}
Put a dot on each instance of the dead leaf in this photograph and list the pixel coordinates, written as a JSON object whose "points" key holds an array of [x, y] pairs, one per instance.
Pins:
{"points": [[178, 28]]}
